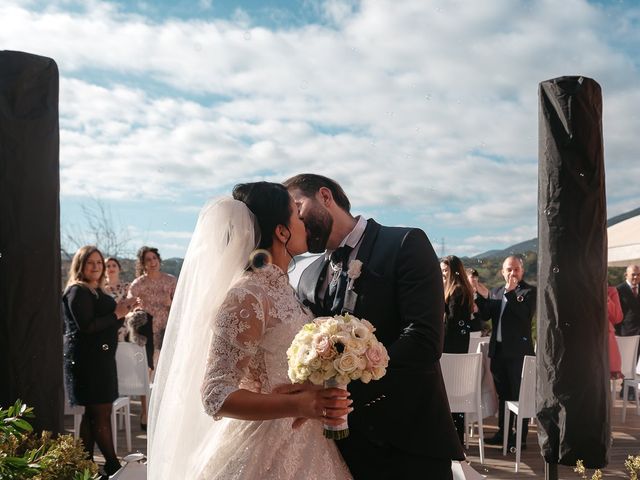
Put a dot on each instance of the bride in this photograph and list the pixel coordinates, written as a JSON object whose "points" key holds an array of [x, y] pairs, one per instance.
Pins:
{"points": [[216, 411]]}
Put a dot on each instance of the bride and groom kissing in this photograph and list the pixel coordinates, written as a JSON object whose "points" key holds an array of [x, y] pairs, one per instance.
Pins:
{"points": [[230, 326]]}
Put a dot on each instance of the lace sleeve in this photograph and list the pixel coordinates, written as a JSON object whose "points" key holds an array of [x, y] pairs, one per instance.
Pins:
{"points": [[237, 332]]}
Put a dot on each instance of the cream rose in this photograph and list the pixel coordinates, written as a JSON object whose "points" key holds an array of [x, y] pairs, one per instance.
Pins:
{"points": [[366, 376], [346, 364], [316, 378]]}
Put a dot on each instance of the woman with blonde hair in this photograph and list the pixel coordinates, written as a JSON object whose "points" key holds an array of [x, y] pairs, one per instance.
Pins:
{"points": [[92, 318]]}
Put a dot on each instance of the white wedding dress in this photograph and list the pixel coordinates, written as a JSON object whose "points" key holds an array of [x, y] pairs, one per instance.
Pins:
{"points": [[253, 329]]}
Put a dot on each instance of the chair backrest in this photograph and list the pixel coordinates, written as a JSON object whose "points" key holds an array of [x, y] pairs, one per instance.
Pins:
{"points": [[527, 397], [461, 373], [133, 373], [628, 347], [474, 343]]}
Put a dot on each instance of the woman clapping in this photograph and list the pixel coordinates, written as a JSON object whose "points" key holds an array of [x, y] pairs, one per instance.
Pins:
{"points": [[92, 318]]}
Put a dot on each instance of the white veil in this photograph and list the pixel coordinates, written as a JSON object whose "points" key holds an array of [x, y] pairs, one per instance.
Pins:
{"points": [[218, 253]]}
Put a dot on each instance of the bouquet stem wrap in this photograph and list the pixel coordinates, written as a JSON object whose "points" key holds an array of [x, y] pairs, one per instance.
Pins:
{"points": [[340, 431]]}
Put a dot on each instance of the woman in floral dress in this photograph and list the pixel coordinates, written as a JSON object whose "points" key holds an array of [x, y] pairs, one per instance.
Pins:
{"points": [[155, 289]]}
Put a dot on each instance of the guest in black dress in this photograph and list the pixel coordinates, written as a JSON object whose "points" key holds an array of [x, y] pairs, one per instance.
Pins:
{"points": [[92, 318], [458, 307]]}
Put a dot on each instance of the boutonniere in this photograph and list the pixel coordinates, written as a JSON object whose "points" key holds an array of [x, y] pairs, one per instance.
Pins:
{"points": [[350, 296], [355, 269]]}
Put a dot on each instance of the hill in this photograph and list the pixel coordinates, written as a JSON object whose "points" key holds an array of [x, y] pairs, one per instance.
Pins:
{"points": [[532, 244]]}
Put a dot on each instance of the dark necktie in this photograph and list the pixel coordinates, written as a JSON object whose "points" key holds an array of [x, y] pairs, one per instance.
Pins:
{"points": [[334, 299], [635, 291]]}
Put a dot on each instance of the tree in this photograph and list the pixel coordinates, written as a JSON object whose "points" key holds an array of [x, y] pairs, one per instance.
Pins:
{"points": [[100, 230]]}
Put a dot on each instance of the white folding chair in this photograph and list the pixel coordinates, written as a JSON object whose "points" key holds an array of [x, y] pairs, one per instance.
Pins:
{"points": [[474, 343], [488, 396], [525, 407], [76, 410], [133, 370], [133, 379], [462, 373], [121, 406], [628, 347]]}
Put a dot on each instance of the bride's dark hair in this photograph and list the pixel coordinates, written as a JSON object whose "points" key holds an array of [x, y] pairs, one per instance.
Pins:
{"points": [[269, 202]]}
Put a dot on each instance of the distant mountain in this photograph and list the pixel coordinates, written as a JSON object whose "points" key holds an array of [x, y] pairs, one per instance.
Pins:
{"points": [[532, 245], [623, 216]]}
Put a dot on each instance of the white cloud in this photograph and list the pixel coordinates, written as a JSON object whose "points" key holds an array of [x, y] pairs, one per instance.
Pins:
{"points": [[430, 106]]}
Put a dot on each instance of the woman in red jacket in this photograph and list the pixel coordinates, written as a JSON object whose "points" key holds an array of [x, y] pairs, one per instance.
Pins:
{"points": [[614, 313]]}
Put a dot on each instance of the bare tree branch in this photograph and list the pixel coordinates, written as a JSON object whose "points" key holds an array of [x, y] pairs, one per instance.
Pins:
{"points": [[100, 230]]}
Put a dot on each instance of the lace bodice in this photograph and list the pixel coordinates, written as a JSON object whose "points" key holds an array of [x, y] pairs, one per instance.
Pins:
{"points": [[251, 333]]}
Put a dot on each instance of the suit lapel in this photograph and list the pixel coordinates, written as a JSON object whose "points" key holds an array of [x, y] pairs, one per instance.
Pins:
{"points": [[368, 241]]}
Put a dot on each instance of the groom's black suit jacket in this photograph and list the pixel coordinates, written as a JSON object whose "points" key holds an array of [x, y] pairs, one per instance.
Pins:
{"points": [[400, 292]]}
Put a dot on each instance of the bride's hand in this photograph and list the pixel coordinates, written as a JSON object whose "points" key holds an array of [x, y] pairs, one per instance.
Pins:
{"points": [[326, 404]]}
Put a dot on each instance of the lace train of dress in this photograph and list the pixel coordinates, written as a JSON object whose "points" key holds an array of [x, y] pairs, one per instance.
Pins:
{"points": [[253, 329]]}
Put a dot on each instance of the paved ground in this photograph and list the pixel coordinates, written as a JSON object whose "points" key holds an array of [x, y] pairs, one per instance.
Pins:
{"points": [[626, 441]]}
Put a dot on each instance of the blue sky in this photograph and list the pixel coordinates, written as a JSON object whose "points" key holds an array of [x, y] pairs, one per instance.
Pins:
{"points": [[425, 111]]}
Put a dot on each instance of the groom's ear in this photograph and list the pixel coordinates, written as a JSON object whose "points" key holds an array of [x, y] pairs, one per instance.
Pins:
{"points": [[325, 196]]}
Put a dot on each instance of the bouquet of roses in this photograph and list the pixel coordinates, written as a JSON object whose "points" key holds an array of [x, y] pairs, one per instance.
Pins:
{"points": [[332, 351]]}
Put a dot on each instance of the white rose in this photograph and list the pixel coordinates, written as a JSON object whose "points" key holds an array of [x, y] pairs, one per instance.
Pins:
{"points": [[361, 331]]}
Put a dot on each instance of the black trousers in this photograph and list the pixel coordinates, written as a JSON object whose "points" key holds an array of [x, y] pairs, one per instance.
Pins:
{"points": [[507, 373], [368, 461]]}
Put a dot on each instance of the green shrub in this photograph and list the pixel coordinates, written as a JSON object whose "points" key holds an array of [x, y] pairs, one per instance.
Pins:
{"points": [[25, 455]]}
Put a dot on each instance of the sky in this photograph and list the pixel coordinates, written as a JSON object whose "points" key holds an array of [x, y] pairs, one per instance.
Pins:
{"points": [[425, 111]]}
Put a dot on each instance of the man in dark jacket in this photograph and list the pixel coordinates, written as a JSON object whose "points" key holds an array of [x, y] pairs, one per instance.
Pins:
{"points": [[630, 303], [511, 309], [401, 426]]}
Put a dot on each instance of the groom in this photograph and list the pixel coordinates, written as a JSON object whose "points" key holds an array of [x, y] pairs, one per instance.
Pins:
{"points": [[401, 426]]}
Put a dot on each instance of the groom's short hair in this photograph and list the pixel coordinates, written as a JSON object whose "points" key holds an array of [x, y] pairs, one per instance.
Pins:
{"points": [[310, 183]]}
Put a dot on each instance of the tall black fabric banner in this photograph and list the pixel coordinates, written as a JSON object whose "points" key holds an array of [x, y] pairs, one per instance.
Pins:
{"points": [[30, 323], [572, 356]]}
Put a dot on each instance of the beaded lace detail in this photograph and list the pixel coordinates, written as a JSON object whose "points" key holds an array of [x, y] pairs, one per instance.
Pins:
{"points": [[251, 333]]}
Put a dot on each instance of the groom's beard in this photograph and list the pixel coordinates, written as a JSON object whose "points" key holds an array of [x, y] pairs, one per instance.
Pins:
{"points": [[318, 224]]}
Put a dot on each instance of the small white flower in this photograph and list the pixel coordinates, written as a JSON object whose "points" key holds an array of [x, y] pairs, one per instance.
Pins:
{"points": [[355, 269]]}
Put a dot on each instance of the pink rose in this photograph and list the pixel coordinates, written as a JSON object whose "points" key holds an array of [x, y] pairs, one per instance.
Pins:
{"points": [[376, 356], [323, 346]]}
